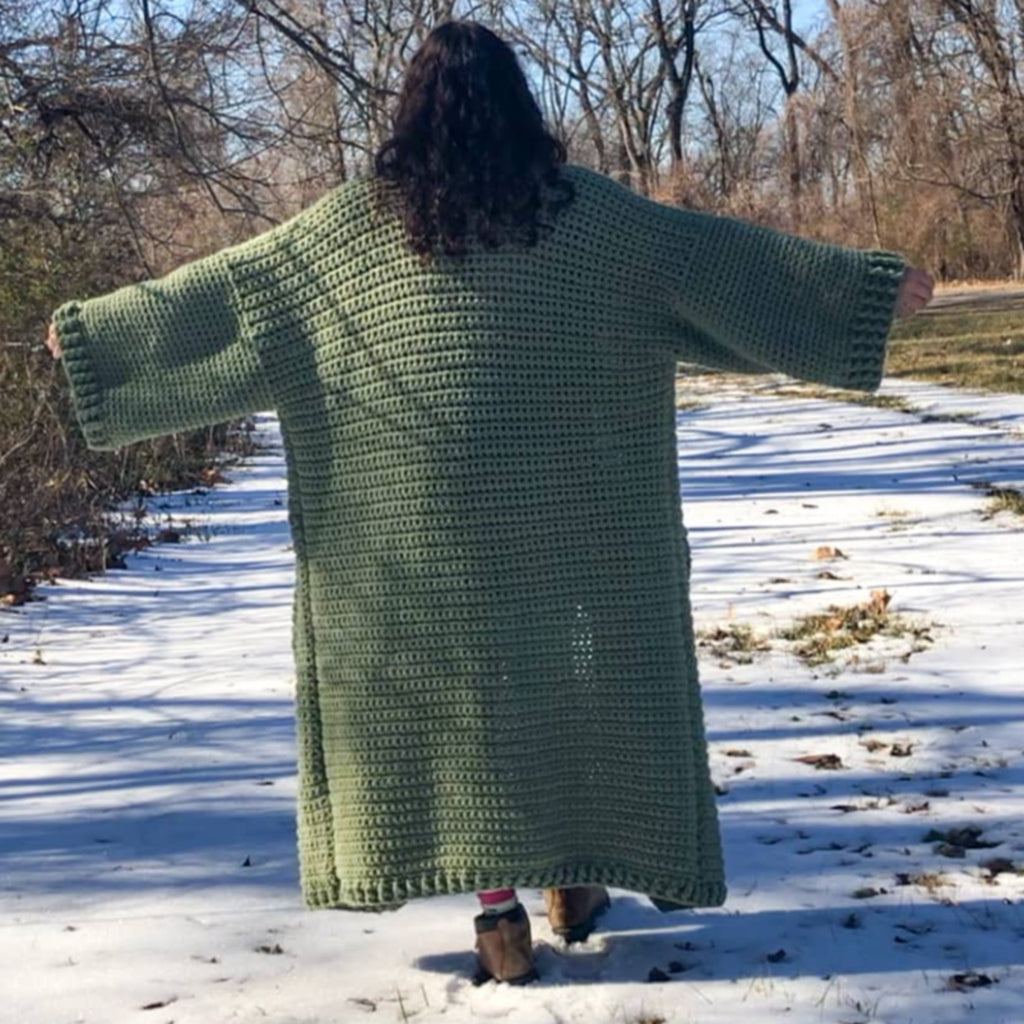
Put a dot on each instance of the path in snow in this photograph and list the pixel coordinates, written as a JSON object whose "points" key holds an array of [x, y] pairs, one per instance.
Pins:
{"points": [[147, 785]]}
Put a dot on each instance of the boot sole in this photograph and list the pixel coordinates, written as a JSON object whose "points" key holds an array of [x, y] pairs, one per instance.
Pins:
{"points": [[482, 977], [582, 929]]}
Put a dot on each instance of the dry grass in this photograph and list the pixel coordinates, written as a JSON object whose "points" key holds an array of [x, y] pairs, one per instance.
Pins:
{"points": [[819, 635], [979, 345], [971, 362], [735, 643], [897, 402], [801, 390], [62, 502], [1001, 499], [930, 880], [1006, 499], [974, 285], [897, 518]]}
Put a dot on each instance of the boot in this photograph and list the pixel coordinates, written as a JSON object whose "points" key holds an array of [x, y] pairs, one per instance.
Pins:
{"points": [[573, 911], [504, 947]]}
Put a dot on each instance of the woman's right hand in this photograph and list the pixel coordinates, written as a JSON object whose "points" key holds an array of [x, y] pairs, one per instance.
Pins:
{"points": [[915, 291]]}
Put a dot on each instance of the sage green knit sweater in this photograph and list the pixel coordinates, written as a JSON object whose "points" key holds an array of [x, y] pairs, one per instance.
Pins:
{"points": [[495, 674]]}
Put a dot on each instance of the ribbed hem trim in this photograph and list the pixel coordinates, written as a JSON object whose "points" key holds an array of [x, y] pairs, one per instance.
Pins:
{"points": [[872, 320], [86, 391], [392, 893]]}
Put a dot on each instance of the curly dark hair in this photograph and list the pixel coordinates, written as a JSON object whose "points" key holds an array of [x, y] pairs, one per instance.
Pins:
{"points": [[469, 148]]}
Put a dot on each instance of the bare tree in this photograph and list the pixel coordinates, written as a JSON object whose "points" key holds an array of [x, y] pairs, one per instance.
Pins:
{"points": [[769, 24], [994, 31]]}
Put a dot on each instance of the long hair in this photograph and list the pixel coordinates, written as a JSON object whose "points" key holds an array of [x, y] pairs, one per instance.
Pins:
{"points": [[470, 153]]}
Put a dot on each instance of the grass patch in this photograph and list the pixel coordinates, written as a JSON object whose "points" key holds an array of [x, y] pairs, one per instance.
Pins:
{"points": [[976, 344], [930, 880], [1002, 499], [1007, 499], [818, 636], [736, 643], [949, 417], [897, 518], [897, 402]]}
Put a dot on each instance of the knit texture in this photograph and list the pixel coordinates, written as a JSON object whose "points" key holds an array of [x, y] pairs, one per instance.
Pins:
{"points": [[495, 672]]}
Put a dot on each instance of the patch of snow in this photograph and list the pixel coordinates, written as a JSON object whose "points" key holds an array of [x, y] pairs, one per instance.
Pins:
{"points": [[147, 792]]}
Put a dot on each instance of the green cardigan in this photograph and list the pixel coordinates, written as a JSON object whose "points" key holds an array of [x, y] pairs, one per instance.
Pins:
{"points": [[495, 672]]}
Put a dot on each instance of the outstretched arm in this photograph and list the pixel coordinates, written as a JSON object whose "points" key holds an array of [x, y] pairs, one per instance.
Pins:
{"points": [[754, 299], [159, 356]]}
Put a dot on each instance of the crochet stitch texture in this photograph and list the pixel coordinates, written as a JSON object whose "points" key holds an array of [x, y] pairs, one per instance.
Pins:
{"points": [[495, 672]]}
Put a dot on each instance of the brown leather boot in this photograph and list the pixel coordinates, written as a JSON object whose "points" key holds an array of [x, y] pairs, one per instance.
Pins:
{"points": [[572, 911], [504, 947]]}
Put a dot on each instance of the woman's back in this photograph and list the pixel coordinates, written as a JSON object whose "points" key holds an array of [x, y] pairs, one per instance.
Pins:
{"points": [[493, 599]]}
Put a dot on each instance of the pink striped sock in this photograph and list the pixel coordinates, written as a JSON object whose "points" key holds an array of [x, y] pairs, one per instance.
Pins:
{"points": [[497, 901]]}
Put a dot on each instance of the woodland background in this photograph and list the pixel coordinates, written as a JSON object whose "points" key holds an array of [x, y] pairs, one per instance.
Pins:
{"points": [[137, 135]]}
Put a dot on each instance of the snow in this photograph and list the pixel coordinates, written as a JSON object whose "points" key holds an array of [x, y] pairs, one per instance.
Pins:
{"points": [[148, 763]]}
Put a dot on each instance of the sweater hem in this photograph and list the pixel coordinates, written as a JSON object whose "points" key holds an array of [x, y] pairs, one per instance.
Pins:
{"points": [[327, 893], [872, 320], [87, 394]]}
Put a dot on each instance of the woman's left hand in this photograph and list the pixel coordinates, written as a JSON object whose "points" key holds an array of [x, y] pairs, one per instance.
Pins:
{"points": [[53, 342]]}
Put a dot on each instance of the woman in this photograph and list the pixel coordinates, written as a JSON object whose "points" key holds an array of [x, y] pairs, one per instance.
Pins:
{"points": [[472, 355]]}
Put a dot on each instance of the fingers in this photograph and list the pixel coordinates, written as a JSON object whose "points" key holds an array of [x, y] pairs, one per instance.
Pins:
{"points": [[921, 284], [53, 342], [916, 291]]}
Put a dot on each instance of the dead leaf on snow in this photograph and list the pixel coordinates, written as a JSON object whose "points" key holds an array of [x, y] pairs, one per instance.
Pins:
{"points": [[829, 762], [827, 551], [970, 979], [159, 1003], [873, 744]]}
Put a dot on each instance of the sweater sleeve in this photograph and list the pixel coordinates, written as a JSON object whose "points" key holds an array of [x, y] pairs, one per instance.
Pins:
{"points": [[756, 300], [160, 356]]}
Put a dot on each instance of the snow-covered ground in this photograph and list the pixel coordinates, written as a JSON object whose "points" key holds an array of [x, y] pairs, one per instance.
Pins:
{"points": [[147, 765]]}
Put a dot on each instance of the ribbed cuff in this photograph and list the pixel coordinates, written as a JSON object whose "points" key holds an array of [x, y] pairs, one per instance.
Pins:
{"points": [[86, 390], [872, 319]]}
